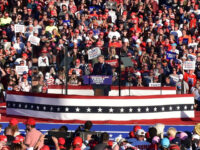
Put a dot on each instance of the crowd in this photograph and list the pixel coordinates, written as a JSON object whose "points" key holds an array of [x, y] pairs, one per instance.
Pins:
{"points": [[155, 138], [39, 38]]}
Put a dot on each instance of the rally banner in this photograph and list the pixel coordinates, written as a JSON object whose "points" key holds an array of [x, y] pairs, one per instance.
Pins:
{"points": [[34, 40], [171, 55], [19, 28], [94, 53], [97, 79], [99, 108], [189, 65], [113, 63]]}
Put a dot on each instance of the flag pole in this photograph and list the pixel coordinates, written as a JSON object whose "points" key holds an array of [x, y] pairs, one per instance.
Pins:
{"points": [[66, 69]]}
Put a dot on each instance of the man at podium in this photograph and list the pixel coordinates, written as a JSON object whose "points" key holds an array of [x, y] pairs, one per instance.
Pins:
{"points": [[104, 69]]}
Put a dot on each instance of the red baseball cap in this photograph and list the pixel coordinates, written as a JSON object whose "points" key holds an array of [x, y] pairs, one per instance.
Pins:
{"points": [[3, 138], [30, 121], [90, 32], [77, 141], [101, 33], [110, 143], [3, 32], [192, 15], [45, 147], [25, 76], [77, 60], [76, 31], [98, 43], [44, 51], [133, 14], [136, 128], [13, 122], [18, 139], [38, 6], [174, 147], [24, 55], [124, 13], [51, 21], [61, 141]]}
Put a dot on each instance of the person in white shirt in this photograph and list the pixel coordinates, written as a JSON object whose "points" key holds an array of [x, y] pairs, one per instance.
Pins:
{"points": [[114, 32], [43, 60], [24, 85], [22, 61]]}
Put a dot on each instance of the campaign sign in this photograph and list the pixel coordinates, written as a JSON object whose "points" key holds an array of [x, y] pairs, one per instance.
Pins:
{"points": [[185, 41], [19, 28], [7, 45], [113, 63], [34, 40], [189, 65], [93, 53], [97, 79], [192, 57], [21, 69], [171, 55], [154, 84]]}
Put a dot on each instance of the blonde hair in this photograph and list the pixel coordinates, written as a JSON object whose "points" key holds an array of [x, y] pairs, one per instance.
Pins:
{"points": [[172, 132]]}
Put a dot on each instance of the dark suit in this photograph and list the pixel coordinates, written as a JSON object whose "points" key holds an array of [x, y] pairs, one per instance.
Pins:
{"points": [[102, 69]]}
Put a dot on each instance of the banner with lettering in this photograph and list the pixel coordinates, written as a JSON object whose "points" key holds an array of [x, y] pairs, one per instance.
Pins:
{"points": [[34, 40], [189, 65], [94, 53], [171, 55], [113, 63], [93, 79], [19, 28]]}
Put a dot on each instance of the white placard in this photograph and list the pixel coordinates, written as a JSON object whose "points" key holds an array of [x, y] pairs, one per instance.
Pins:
{"points": [[154, 84], [21, 69], [7, 45], [34, 40], [93, 53], [189, 65], [19, 28]]}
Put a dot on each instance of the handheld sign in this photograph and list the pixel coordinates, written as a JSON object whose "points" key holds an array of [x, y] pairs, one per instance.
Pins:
{"points": [[171, 55], [189, 65], [21, 69], [19, 28], [94, 53], [34, 40], [113, 63], [7, 45]]}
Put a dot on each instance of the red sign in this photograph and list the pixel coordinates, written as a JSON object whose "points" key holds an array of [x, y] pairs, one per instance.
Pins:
{"points": [[113, 63]]}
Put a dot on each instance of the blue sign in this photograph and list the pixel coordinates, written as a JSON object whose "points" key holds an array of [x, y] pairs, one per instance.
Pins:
{"points": [[171, 55], [97, 79]]}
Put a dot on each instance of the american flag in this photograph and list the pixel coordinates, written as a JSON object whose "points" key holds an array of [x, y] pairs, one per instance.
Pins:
{"points": [[125, 108]]}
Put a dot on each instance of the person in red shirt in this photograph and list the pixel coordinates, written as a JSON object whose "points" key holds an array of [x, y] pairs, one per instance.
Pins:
{"points": [[193, 21], [190, 78]]}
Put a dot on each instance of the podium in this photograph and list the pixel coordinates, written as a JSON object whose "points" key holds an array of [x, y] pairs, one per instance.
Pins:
{"points": [[100, 84], [98, 92]]}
